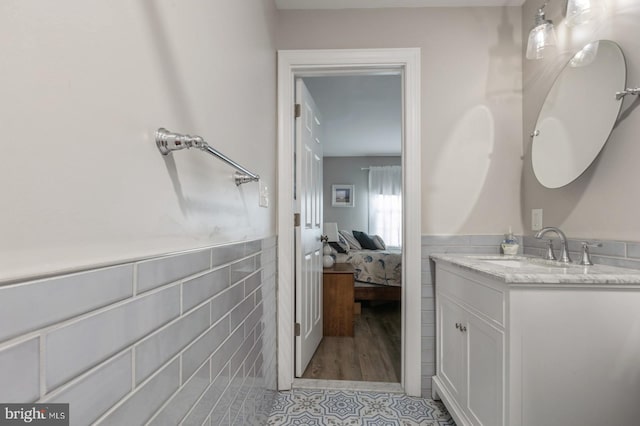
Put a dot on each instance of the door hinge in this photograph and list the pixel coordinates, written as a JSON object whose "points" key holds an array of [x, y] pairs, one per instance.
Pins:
{"points": [[296, 219], [296, 111], [297, 329]]}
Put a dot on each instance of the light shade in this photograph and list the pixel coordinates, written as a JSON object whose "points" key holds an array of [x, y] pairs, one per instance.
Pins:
{"points": [[331, 231], [583, 11], [542, 36], [585, 56]]}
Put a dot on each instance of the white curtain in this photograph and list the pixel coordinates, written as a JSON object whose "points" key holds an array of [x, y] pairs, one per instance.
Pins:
{"points": [[385, 204]]}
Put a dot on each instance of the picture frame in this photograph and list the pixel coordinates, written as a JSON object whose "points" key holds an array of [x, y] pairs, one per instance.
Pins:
{"points": [[342, 195]]}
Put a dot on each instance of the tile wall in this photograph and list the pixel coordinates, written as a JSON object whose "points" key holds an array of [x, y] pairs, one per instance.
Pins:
{"points": [[187, 339], [624, 254]]}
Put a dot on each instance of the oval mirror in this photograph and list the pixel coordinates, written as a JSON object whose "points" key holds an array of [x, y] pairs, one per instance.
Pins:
{"points": [[578, 114]]}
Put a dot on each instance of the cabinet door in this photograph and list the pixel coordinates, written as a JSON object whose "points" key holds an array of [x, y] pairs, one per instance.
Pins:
{"points": [[485, 397], [452, 357]]}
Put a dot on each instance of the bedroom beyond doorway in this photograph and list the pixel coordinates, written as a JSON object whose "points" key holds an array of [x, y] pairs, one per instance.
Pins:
{"points": [[360, 117]]}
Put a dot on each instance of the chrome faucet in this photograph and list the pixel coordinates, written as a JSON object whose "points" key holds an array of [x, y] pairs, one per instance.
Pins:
{"points": [[564, 257]]}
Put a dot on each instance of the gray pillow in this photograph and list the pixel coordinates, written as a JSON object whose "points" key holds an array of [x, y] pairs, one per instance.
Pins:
{"points": [[351, 240], [379, 242]]}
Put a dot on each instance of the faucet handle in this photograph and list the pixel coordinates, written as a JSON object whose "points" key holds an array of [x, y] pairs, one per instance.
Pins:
{"points": [[586, 256], [550, 255]]}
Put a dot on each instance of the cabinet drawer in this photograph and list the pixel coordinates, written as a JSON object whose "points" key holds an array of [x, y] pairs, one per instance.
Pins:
{"points": [[482, 298]]}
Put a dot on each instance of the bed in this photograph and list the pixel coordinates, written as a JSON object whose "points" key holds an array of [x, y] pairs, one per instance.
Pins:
{"points": [[377, 273], [382, 267]]}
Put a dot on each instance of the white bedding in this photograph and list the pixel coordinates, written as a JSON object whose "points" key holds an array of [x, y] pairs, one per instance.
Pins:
{"points": [[375, 266]]}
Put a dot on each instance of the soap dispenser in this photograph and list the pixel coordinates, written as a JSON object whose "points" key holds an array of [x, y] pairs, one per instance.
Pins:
{"points": [[510, 244]]}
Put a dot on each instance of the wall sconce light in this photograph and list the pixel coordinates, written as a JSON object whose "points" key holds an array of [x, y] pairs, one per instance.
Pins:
{"points": [[541, 36], [583, 11]]}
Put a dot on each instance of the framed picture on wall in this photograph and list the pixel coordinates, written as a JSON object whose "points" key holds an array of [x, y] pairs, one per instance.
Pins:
{"points": [[342, 196]]}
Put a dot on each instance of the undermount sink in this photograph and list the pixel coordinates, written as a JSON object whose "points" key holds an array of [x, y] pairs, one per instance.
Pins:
{"points": [[523, 262], [509, 263]]}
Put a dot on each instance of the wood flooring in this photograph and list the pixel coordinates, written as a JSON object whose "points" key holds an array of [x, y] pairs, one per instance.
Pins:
{"points": [[372, 355]]}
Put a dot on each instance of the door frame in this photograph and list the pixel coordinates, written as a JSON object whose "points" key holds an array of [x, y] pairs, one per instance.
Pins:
{"points": [[293, 63]]}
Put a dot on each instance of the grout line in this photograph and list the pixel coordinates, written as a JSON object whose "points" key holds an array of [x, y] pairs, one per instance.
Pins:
{"points": [[70, 321], [182, 299], [133, 368], [135, 279], [80, 377], [227, 366], [173, 395], [131, 394], [42, 365]]}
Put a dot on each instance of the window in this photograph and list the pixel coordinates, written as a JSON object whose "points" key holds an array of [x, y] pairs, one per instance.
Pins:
{"points": [[385, 204]]}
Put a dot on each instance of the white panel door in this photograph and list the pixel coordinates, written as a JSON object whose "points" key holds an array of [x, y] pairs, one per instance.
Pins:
{"points": [[308, 201]]}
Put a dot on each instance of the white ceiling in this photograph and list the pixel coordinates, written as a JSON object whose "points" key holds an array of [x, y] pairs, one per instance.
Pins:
{"points": [[376, 4], [361, 115]]}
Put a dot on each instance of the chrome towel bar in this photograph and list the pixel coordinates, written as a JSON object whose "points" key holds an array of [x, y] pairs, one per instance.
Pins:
{"points": [[168, 142]]}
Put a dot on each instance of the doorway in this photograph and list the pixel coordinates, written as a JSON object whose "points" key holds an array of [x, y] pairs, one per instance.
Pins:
{"points": [[360, 137], [292, 64]]}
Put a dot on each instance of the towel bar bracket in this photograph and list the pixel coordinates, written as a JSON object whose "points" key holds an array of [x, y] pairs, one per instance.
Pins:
{"points": [[620, 95], [167, 142]]}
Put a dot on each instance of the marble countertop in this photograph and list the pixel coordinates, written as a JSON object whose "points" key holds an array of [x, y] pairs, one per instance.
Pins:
{"points": [[534, 270]]}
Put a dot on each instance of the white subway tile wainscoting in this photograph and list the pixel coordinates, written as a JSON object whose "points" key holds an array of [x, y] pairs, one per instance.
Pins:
{"points": [[178, 339]]}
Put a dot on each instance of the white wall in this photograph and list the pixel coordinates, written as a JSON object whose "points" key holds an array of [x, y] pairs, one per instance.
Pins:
{"points": [[348, 171], [471, 102], [84, 86], [603, 202], [361, 115]]}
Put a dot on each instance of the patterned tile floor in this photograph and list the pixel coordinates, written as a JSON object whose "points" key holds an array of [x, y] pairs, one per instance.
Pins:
{"points": [[347, 408]]}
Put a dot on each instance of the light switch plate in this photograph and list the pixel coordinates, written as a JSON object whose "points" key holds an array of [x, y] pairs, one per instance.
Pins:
{"points": [[264, 195], [536, 219]]}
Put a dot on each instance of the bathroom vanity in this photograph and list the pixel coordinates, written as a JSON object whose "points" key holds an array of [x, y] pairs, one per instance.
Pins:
{"points": [[524, 341]]}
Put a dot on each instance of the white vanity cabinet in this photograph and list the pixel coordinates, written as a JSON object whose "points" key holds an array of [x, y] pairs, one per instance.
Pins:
{"points": [[470, 348], [547, 351]]}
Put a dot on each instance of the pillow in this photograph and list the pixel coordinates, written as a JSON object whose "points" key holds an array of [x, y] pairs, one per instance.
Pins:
{"points": [[379, 242], [365, 241], [344, 243], [351, 240], [341, 246]]}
